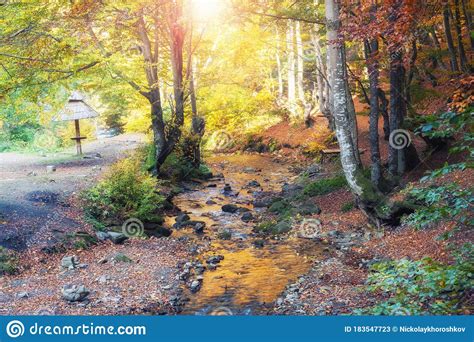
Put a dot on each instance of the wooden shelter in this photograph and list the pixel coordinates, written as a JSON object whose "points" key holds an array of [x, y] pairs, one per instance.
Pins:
{"points": [[76, 109]]}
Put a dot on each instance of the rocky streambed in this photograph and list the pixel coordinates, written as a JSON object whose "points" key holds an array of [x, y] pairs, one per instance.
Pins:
{"points": [[234, 270]]}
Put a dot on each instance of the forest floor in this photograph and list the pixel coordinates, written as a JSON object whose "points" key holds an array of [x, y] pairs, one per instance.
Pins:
{"points": [[254, 274], [40, 210]]}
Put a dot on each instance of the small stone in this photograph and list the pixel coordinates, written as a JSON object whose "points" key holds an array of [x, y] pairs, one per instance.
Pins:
{"points": [[211, 267], [195, 286], [230, 208], [199, 269], [103, 279], [199, 228], [247, 217], [50, 169], [182, 218], [120, 257], [22, 294], [211, 202], [102, 236], [215, 259], [263, 203], [69, 262], [102, 261], [253, 184]]}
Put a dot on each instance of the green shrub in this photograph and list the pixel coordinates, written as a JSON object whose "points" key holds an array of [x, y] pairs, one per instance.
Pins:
{"points": [[348, 206], [324, 186], [441, 202], [280, 207], [179, 168], [126, 191], [7, 262], [422, 287]]}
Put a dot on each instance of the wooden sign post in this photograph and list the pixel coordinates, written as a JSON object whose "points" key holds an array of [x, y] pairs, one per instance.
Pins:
{"points": [[78, 138]]}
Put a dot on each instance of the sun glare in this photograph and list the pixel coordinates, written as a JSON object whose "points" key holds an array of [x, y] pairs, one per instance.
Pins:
{"points": [[207, 9]]}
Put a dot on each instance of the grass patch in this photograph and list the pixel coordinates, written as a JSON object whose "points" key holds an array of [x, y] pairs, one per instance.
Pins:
{"points": [[325, 186], [7, 262], [348, 206]]}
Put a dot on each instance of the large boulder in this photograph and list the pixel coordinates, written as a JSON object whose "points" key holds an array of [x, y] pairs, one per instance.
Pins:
{"points": [[230, 208], [117, 238], [291, 190], [262, 203], [183, 217], [157, 230]]}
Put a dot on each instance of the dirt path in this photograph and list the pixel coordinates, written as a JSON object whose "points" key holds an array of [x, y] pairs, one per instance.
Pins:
{"points": [[34, 207]]}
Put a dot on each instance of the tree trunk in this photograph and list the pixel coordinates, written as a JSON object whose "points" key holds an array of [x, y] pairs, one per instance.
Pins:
{"points": [[299, 64], [467, 12], [177, 35], [367, 196], [457, 25], [383, 106], [351, 113], [291, 70], [437, 44], [322, 79], [397, 78], [449, 39], [279, 71], [158, 128], [197, 122], [337, 69], [371, 52]]}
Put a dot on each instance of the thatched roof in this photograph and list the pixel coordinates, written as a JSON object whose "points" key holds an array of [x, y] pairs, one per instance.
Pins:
{"points": [[76, 109]]}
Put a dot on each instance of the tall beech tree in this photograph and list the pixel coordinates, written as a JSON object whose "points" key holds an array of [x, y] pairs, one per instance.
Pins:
{"points": [[342, 118], [449, 37], [157, 31]]}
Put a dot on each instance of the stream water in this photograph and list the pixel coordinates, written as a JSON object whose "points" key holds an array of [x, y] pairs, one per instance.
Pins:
{"points": [[249, 278]]}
